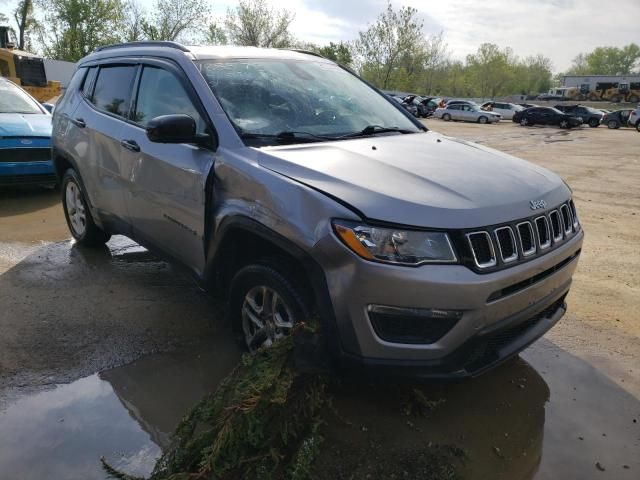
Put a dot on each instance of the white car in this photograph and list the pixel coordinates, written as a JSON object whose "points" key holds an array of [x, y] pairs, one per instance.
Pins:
{"points": [[506, 110], [466, 113], [634, 118]]}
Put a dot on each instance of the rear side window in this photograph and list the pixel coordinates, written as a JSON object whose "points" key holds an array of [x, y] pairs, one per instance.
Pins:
{"points": [[161, 93], [68, 97], [112, 92]]}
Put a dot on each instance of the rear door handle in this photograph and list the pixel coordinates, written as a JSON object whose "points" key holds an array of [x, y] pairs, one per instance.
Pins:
{"points": [[130, 145], [78, 122]]}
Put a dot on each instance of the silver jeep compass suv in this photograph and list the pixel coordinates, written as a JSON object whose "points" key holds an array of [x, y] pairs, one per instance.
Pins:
{"points": [[298, 189]]}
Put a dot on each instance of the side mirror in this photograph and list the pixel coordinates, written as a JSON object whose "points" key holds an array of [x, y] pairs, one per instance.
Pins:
{"points": [[178, 128], [48, 107]]}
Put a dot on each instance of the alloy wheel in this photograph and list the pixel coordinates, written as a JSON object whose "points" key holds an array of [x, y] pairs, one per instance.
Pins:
{"points": [[265, 317], [75, 208]]}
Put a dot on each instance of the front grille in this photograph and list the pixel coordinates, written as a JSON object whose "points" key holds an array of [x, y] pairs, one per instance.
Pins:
{"points": [[556, 229], [482, 248], [25, 154], [519, 241], [527, 242]]}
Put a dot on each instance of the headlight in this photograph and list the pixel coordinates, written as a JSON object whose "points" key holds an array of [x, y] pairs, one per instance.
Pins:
{"points": [[390, 245]]}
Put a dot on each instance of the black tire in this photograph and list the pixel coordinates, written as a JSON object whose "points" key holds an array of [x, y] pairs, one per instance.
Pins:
{"points": [[446, 117], [91, 235], [483, 120], [613, 124], [565, 124], [272, 274], [594, 123], [638, 126], [524, 121], [634, 99]]}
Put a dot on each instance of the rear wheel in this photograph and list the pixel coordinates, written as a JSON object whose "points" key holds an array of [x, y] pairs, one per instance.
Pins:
{"points": [[634, 99], [446, 117], [264, 304], [613, 124], [594, 123], [483, 120], [76, 212]]}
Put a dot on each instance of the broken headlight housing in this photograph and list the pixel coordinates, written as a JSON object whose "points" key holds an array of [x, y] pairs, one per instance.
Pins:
{"points": [[395, 245]]}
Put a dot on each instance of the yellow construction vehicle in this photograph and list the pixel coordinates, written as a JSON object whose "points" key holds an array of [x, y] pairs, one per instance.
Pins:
{"points": [[616, 92], [25, 69]]}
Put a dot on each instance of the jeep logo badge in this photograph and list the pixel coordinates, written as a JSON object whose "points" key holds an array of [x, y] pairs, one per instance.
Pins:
{"points": [[536, 204]]}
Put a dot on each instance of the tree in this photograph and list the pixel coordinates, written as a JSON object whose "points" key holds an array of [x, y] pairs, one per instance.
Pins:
{"points": [[338, 52], [491, 69], [607, 61], [23, 15], [215, 35], [255, 23], [385, 52], [134, 21], [75, 28], [172, 19]]}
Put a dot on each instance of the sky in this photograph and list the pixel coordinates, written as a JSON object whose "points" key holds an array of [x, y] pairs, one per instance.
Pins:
{"points": [[559, 29]]}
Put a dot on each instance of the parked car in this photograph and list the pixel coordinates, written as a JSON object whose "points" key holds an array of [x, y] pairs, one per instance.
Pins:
{"points": [[528, 105], [634, 118], [431, 103], [262, 171], [617, 119], [410, 107], [466, 113], [588, 115], [545, 116], [460, 102], [506, 110], [415, 100], [25, 136]]}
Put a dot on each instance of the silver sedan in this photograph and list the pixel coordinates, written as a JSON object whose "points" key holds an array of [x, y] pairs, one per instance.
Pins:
{"points": [[467, 113]]}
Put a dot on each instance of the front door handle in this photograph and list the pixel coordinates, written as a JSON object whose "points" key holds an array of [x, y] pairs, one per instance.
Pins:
{"points": [[79, 122], [130, 145]]}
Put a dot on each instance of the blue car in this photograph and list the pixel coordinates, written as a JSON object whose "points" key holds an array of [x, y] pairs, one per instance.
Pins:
{"points": [[25, 138]]}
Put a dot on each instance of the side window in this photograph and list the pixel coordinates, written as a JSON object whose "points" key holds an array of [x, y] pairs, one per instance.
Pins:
{"points": [[112, 92], [161, 93], [68, 97], [89, 81]]}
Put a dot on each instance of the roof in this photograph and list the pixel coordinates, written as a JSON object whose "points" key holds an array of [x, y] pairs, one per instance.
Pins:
{"points": [[199, 52]]}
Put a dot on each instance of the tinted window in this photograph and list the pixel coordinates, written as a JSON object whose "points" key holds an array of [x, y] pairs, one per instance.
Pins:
{"points": [[74, 85], [161, 93], [113, 89]]}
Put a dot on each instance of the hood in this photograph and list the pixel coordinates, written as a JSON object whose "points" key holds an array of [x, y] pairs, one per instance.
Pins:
{"points": [[25, 125], [421, 179]]}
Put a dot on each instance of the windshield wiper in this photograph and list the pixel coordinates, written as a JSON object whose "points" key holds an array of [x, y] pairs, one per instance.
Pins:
{"points": [[373, 129], [287, 136]]}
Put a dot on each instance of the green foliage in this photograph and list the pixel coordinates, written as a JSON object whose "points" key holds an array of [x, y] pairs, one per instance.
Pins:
{"points": [[75, 28], [173, 19], [255, 23], [338, 52], [607, 61], [26, 22], [260, 423]]}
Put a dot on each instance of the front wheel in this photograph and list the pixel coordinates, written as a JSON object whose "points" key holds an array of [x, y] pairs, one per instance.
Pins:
{"points": [[483, 120], [525, 122], [638, 126], [446, 117], [594, 123], [612, 124], [76, 212], [564, 124], [265, 305]]}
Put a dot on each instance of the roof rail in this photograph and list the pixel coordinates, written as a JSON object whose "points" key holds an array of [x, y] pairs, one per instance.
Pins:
{"points": [[307, 52], [144, 43]]}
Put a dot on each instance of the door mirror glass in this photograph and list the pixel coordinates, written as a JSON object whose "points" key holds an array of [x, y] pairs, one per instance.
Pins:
{"points": [[177, 128]]}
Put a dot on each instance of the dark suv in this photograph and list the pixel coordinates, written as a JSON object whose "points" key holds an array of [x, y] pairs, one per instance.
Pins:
{"points": [[285, 182], [589, 116]]}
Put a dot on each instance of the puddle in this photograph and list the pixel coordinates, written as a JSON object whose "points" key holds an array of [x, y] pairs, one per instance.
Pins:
{"points": [[125, 414]]}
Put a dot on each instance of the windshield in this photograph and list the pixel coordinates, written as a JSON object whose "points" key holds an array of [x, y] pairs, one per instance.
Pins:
{"points": [[14, 100], [316, 99]]}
